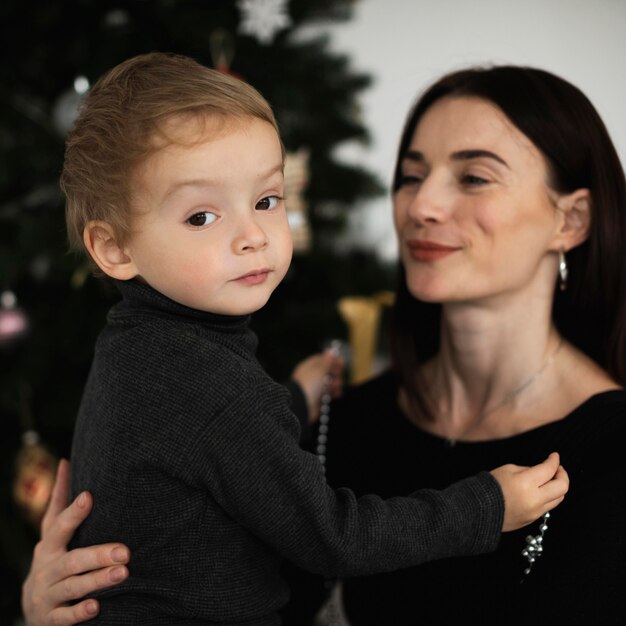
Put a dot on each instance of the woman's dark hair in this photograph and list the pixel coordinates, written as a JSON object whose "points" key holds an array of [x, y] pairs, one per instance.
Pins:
{"points": [[565, 127]]}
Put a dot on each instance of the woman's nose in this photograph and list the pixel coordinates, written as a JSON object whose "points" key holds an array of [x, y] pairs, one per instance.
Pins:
{"points": [[430, 203]]}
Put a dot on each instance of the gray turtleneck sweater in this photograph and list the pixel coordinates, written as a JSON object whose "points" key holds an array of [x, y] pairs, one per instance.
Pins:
{"points": [[191, 452]]}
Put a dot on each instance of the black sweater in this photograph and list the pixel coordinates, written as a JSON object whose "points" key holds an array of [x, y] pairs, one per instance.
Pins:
{"points": [[192, 455]]}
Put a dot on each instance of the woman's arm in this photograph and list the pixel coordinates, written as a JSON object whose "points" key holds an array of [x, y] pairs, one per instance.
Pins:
{"points": [[57, 576]]}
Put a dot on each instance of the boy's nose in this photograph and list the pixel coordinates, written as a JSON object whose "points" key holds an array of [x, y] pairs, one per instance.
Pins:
{"points": [[250, 237]]}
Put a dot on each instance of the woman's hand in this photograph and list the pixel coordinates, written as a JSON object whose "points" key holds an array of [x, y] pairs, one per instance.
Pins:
{"points": [[57, 576]]}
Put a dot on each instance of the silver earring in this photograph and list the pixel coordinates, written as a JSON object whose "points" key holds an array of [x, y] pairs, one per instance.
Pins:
{"points": [[563, 271]]}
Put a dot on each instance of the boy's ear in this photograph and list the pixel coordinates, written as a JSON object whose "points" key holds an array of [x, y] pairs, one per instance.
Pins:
{"points": [[575, 211], [99, 239]]}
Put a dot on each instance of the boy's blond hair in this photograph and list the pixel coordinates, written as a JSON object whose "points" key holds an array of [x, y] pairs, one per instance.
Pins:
{"points": [[120, 118]]}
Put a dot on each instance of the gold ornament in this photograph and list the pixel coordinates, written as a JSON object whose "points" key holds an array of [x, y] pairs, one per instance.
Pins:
{"points": [[362, 316], [296, 181]]}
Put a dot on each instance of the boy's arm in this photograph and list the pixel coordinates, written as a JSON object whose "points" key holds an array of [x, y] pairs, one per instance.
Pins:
{"points": [[259, 475], [57, 576]]}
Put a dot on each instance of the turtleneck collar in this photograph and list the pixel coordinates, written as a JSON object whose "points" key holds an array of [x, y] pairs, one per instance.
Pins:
{"points": [[139, 297]]}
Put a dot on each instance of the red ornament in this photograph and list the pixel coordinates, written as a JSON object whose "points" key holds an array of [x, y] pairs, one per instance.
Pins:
{"points": [[34, 478], [13, 321]]}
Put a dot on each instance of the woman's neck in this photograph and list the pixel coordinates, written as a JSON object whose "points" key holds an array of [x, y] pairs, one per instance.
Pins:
{"points": [[493, 365]]}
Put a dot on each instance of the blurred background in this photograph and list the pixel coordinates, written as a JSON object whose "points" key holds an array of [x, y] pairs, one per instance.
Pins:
{"points": [[341, 76]]}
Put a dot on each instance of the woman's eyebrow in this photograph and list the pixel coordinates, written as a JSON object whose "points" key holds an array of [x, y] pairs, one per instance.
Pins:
{"points": [[461, 155], [466, 155]]}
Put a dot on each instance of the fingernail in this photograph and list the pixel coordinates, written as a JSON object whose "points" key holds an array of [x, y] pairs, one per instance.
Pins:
{"points": [[119, 555], [91, 607], [117, 574], [81, 501]]}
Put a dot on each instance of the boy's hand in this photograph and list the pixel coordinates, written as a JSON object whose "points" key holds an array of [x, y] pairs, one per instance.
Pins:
{"points": [[318, 374], [530, 491], [57, 576]]}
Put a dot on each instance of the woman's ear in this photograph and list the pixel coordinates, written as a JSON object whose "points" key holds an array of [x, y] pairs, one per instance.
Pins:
{"points": [[99, 239], [575, 210]]}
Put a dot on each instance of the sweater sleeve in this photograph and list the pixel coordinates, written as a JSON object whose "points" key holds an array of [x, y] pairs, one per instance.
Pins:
{"points": [[254, 468], [299, 405]]}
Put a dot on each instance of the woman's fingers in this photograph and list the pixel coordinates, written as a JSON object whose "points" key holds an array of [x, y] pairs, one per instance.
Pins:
{"points": [[61, 526], [82, 560], [60, 495], [69, 615], [75, 587]]}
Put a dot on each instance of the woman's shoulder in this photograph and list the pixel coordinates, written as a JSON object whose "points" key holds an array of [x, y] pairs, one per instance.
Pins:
{"points": [[609, 404]]}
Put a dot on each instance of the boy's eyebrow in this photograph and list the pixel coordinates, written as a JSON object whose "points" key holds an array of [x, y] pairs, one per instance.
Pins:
{"points": [[208, 182], [460, 155]]}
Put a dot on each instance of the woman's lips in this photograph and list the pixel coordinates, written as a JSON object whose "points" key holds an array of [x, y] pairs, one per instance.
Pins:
{"points": [[426, 251]]}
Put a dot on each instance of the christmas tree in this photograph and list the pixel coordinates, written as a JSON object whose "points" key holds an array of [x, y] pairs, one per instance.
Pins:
{"points": [[51, 309]]}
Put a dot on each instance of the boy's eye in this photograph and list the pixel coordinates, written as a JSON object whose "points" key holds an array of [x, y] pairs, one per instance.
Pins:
{"points": [[201, 219], [268, 203]]}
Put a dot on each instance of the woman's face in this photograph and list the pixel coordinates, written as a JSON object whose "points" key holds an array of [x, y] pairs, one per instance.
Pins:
{"points": [[474, 216]]}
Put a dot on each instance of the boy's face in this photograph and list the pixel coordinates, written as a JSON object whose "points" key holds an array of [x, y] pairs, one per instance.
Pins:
{"points": [[211, 229]]}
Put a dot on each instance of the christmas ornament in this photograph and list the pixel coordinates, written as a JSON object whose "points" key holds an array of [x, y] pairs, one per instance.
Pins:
{"points": [[222, 47], [66, 107], [13, 321], [362, 316], [296, 180], [35, 473], [263, 18]]}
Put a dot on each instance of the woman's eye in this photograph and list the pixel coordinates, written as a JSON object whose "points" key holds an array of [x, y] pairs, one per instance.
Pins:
{"points": [[407, 180], [268, 203], [474, 181], [201, 219]]}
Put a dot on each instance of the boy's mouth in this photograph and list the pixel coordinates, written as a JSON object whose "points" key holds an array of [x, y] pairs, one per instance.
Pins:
{"points": [[256, 277]]}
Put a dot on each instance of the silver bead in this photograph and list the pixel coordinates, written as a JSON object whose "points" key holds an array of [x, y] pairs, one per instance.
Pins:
{"points": [[321, 449], [543, 528], [322, 458], [323, 429], [324, 419]]}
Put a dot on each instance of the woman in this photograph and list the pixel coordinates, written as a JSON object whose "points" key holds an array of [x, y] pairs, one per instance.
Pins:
{"points": [[508, 340]]}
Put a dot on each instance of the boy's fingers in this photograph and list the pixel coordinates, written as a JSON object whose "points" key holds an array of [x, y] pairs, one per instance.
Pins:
{"points": [[556, 487], [553, 503], [544, 472]]}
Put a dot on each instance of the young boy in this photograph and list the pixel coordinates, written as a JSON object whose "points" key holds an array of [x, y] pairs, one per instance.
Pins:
{"points": [[173, 178]]}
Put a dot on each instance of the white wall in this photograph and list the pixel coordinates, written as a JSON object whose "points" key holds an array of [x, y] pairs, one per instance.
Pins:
{"points": [[406, 44]]}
